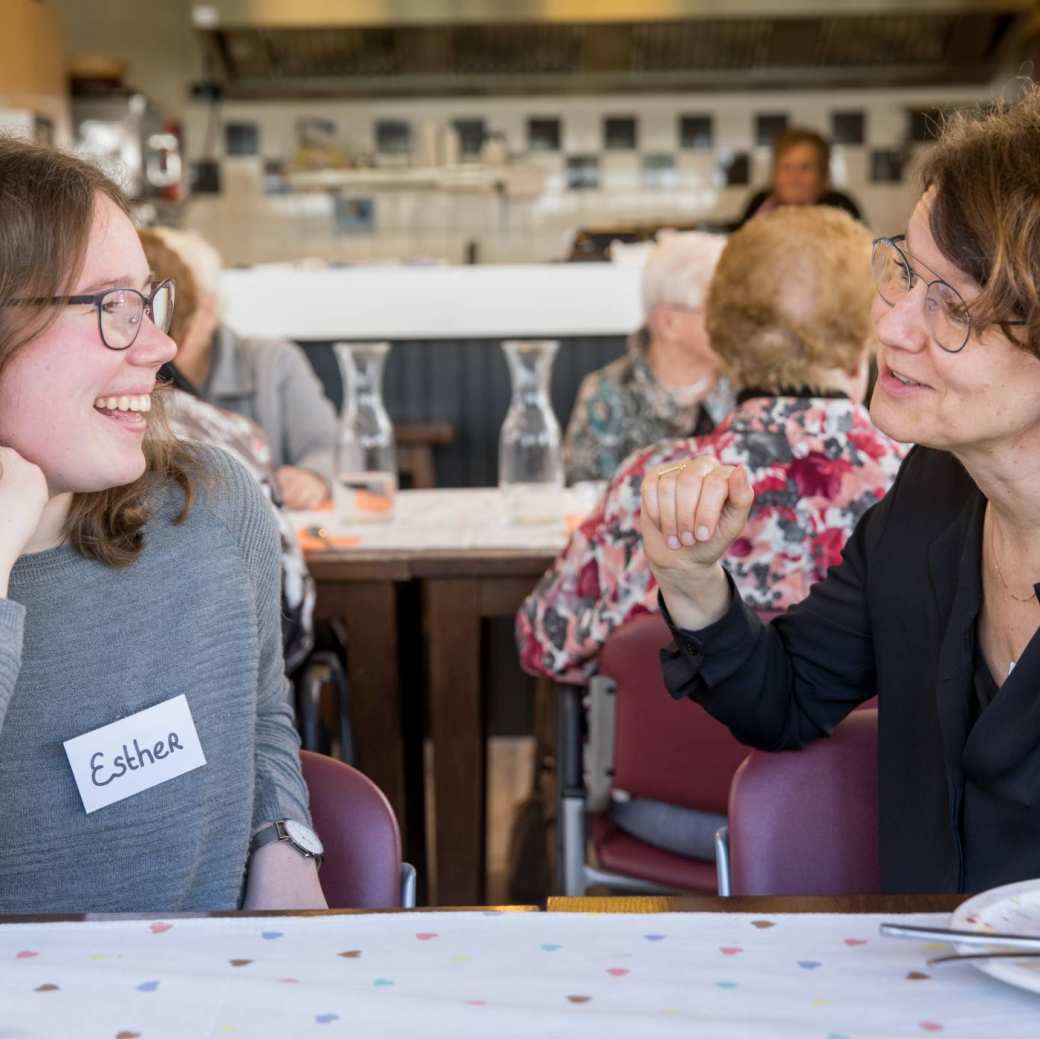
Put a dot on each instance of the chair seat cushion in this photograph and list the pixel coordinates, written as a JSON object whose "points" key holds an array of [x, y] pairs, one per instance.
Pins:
{"points": [[617, 851], [686, 831]]}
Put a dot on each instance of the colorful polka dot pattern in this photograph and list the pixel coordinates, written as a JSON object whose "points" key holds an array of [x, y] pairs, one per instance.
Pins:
{"points": [[501, 974]]}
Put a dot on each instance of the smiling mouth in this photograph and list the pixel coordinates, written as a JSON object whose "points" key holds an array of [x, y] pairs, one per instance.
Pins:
{"points": [[905, 380], [140, 402]]}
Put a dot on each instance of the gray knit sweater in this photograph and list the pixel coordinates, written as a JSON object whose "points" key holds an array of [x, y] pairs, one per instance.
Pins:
{"points": [[82, 645]]}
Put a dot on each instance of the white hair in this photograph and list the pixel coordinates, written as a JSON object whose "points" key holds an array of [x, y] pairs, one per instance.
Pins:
{"points": [[201, 258], [680, 268]]}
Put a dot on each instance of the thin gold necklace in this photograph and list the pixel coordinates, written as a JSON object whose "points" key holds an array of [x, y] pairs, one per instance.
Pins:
{"points": [[996, 566]]}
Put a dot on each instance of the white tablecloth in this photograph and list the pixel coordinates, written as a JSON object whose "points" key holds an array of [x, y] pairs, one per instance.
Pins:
{"points": [[465, 519], [496, 975]]}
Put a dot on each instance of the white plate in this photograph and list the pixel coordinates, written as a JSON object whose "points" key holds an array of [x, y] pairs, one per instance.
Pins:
{"points": [[1012, 908]]}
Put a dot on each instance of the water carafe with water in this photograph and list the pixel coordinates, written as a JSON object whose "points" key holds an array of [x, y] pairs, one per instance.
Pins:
{"points": [[530, 463], [366, 459]]}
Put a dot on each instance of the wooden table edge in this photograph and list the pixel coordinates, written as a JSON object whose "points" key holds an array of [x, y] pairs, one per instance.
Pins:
{"points": [[764, 904], [244, 914]]}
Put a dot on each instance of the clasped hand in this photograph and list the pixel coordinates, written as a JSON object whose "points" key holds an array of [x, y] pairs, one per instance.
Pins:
{"points": [[692, 512]]}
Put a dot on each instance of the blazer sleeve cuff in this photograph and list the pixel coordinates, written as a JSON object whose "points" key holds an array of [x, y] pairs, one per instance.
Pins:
{"points": [[695, 661]]}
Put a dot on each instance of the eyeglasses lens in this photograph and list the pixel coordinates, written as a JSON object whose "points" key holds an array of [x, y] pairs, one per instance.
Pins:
{"points": [[891, 275], [121, 313], [162, 306], [947, 316], [946, 313]]}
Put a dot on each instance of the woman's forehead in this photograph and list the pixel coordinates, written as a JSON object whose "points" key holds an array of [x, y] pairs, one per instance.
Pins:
{"points": [[114, 255], [923, 248], [799, 153]]}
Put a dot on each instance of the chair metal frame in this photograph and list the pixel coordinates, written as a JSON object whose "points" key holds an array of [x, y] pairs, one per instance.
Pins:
{"points": [[583, 779]]}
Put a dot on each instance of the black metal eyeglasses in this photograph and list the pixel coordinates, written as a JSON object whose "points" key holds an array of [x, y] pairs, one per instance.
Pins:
{"points": [[946, 314], [120, 311]]}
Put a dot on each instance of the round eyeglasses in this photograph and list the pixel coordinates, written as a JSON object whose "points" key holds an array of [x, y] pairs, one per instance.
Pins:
{"points": [[120, 311], [947, 316]]}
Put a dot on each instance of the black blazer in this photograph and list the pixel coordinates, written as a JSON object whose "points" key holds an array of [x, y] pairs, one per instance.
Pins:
{"points": [[959, 790]]}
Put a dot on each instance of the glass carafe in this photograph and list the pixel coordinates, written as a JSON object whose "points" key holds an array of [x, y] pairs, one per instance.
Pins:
{"points": [[530, 464], [366, 461]]}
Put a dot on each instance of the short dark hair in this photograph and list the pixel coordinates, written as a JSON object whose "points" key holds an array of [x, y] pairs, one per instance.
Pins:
{"points": [[985, 216]]}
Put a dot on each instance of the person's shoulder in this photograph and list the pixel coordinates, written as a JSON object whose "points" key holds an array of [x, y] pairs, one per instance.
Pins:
{"points": [[614, 372], [270, 350], [227, 494], [841, 200], [930, 490], [754, 203], [605, 383]]}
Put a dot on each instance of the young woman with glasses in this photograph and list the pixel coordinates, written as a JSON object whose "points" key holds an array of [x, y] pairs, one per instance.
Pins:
{"points": [[936, 604], [146, 741]]}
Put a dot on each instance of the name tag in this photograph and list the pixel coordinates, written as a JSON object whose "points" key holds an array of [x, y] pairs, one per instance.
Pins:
{"points": [[136, 753]]}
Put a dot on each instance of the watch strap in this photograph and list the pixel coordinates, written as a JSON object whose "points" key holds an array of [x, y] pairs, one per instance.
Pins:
{"points": [[277, 831]]}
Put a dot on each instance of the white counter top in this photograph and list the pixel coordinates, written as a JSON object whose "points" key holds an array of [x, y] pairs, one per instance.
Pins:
{"points": [[394, 302]]}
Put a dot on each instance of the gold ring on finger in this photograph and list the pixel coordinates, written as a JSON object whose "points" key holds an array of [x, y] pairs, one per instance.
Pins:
{"points": [[673, 469]]}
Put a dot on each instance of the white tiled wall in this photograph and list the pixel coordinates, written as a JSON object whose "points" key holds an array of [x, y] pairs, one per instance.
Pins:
{"points": [[249, 226]]}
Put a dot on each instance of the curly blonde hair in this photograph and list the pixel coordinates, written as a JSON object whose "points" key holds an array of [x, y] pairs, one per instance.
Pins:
{"points": [[47, 208], [791, 298]]}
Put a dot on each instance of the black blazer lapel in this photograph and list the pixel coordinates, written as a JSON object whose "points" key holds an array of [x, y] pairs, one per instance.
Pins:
{"points": [[953, 565]]}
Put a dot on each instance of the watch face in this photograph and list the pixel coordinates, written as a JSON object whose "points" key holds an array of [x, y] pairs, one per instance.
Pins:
{"points": [[303, 838]]}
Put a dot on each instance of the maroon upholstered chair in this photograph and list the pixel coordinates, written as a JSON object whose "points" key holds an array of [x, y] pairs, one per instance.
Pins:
{"points": [[657, 748], [805, 822], [362, 867]]}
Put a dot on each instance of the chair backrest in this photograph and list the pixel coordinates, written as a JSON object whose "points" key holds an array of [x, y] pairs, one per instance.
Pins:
{"points": [[664, 749], [362, 868], [805, 822]]}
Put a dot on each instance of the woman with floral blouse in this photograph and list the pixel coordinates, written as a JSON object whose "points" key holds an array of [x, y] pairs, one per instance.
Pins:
{"points": [[788, 312]]}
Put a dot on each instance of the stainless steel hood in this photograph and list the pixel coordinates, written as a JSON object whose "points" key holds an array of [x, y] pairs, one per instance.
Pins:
{"points": [[324, 48]]}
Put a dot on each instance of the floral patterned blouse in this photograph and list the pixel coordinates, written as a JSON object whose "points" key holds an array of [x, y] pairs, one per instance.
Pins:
{"points": [[622, 407], [816, 464]]}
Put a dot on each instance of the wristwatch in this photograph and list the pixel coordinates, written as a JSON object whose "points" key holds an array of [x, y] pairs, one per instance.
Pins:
{"points": [[300, 837]]}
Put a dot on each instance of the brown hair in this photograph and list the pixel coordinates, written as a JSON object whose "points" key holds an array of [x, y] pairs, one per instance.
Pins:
{"points": [[795, 135], [985, 215], [791, 298], [47, 206], [167, 263]]}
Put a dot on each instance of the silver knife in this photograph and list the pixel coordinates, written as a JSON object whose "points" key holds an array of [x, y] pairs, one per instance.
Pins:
{"points": [[955, 937]]}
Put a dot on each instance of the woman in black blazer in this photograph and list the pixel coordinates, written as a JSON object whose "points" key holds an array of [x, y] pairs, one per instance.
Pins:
{"points": [[936, 604]]}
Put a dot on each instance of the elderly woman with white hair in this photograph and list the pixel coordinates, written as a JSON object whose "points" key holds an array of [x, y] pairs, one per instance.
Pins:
{"points": [[268, 380], [668, 383]]}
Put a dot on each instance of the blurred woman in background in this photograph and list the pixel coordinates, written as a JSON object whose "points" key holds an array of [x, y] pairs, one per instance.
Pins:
{"points": [[800, 176]]}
